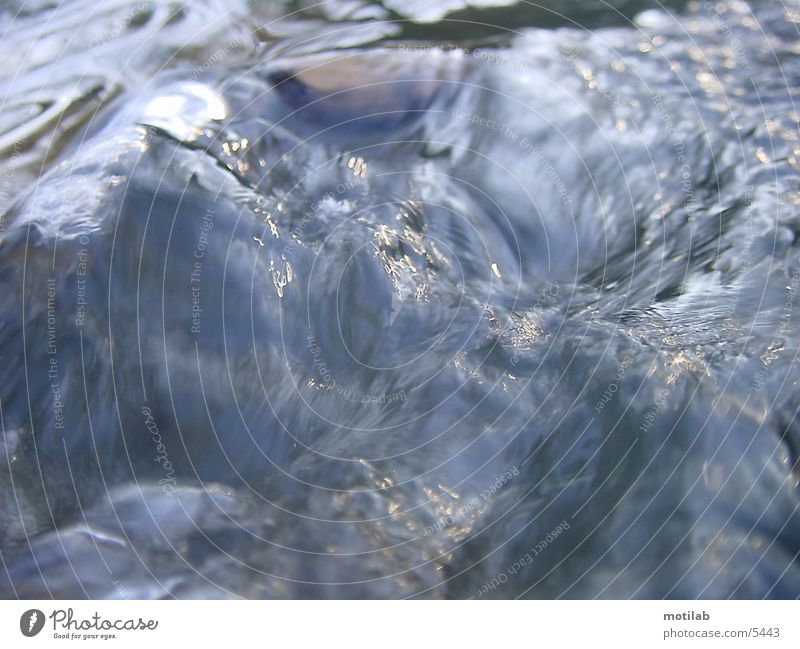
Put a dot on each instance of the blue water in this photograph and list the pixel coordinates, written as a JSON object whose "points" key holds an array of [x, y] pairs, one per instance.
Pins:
{"points": [[399, 300]]}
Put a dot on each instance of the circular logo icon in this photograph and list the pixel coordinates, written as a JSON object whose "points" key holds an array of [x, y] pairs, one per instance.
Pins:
{"points": [[31, 622]]}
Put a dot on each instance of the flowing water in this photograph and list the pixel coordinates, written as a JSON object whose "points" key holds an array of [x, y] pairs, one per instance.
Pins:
{"points": [[411, 299]]}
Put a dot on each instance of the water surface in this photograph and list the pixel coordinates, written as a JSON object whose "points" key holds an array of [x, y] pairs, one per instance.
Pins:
{"points": [[399, 300]]}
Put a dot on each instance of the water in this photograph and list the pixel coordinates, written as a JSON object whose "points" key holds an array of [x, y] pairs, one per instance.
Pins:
{"points": [[338, 301]]}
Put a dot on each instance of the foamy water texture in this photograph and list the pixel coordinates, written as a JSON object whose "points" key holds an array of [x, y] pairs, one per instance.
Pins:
{"points": [[409, 299]]}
